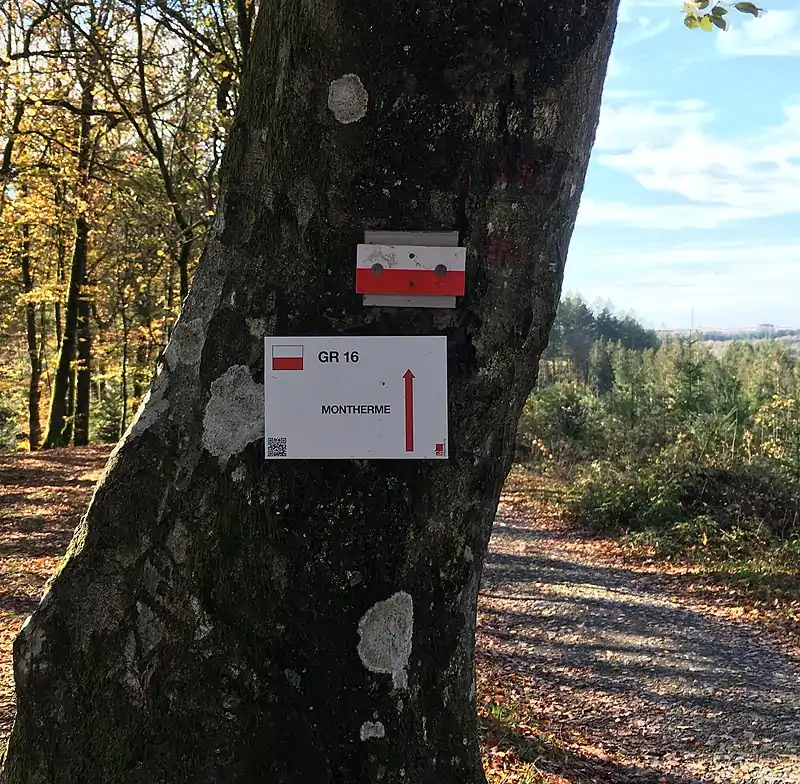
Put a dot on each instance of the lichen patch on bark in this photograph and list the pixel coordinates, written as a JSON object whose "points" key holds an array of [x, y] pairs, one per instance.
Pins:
{"points": [[257, 327], [152, 407], [178, 542], [385, 633], [149, 627], [234, 416], [372, 729], [187, 343], [347, 99]]}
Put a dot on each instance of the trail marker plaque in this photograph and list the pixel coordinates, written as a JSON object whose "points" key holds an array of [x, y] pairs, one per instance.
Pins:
{"points": [[355, 397]]}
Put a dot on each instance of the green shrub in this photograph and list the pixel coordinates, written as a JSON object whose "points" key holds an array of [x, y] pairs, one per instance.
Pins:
{"points": [[691, 500], [559, 422], [105, 420]]}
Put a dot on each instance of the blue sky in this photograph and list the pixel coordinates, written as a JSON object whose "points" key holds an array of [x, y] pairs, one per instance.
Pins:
{"points": [[692, 200]]}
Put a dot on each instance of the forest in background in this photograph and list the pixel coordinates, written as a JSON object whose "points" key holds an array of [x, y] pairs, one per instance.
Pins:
{"points": [[113, 117], [680, 448]]}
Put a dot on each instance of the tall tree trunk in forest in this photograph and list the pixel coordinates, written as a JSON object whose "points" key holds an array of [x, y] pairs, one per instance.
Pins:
{"points": [[126, 328], [58, 425], [223, 619], [34, 357], [83, 372], [61, 253]]}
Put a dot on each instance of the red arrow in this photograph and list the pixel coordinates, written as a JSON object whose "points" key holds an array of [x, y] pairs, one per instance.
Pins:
{"points": [[409, 378]]}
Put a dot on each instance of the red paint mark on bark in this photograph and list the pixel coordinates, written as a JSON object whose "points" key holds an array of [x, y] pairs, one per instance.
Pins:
{"points": [[499, 250]]}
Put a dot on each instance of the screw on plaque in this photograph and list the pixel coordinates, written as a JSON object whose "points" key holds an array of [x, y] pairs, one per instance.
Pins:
{"points": [[377, 269], [440, 270]]}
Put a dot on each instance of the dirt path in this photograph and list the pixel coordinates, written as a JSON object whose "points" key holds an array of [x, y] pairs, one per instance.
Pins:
{"points": [[635, 681]]}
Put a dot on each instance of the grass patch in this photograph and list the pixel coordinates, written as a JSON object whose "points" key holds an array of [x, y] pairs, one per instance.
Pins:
{"points": [[516, 748]]}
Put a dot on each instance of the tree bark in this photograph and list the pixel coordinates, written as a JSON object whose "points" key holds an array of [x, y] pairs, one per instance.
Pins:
{"points": [[83, 371], [222, 619], [59, 428], [34, 357], [123, 423]]}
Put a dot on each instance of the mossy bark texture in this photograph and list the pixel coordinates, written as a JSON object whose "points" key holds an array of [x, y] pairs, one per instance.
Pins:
{"points": [[223, 619]]}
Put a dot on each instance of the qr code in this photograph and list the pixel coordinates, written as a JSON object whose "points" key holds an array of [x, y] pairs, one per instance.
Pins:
{"points": [[276, 447]]}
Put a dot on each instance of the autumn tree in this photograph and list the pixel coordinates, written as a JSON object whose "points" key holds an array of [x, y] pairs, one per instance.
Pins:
{"points": [[110, 126]]}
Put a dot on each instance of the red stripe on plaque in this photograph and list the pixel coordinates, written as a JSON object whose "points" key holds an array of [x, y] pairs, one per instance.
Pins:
{"points": [[287, 357], [409, 281]]}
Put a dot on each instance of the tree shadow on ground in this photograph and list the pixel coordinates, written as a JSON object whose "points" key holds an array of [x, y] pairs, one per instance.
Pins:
{"points": [[539, 753], [614, 638]]}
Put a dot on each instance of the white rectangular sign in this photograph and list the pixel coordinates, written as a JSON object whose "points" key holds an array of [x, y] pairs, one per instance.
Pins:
{"points": [[355, 397]]}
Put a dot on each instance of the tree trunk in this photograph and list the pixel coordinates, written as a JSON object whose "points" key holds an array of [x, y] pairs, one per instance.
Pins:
{"points": [[61, 253], [222, 619], [58, 425], [83, 372], [124, 368], [34, 357]]}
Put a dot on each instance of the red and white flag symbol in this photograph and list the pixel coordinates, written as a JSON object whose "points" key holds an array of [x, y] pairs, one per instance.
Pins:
{"points": [[287, 357]]}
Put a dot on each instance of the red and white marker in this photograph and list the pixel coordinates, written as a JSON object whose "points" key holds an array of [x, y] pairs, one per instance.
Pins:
{"points": [[287, 357], [410, 270]]}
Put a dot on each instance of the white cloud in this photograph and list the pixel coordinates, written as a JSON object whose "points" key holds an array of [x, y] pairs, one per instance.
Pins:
{"points": [[776, 33], [643, 29], [719, 181], [630, 10], [671, 216], [615, 66], [647, 122], [726, 284]]}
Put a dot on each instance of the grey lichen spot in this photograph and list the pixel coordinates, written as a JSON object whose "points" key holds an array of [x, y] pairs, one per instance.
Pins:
{"points": [[385, 632], [149, 627], [204, 625], [303, 196], [467, 554], [234, 416], [186, 345], [152, 407], [130, 677], [372, 729], [278, 569], [442, 206], [257, 327], [347, 99], [238, 474], [178, 543], [102, 609]]}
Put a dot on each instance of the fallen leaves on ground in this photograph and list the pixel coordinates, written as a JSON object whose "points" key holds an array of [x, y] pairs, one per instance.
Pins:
{"points": [[42, 496]]}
